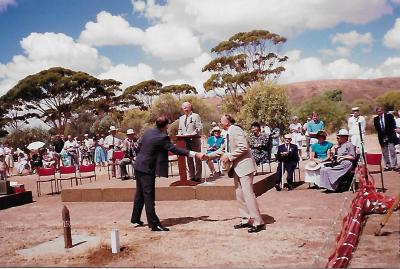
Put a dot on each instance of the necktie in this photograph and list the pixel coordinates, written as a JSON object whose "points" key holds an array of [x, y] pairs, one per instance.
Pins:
{"points": [[382, 123], [287, 147], [186, 120]]}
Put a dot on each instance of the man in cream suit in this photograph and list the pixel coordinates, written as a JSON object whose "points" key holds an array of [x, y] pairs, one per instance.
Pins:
{"points": [[190, 124], [237, 153]]}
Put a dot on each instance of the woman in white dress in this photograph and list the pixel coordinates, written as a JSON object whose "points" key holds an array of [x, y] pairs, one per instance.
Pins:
{"points": [[297, 136]]}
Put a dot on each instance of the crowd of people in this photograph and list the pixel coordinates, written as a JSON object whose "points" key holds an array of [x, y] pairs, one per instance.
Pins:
{"points": [[68, 150]]}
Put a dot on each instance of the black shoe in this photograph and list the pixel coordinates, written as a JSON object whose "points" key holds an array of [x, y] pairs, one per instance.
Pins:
{"points": [[125, 178], [242, 225], [196, 179], [138, 223], [160, 228], [256, 229], [288, 186], [387, 169], [278, 187]]}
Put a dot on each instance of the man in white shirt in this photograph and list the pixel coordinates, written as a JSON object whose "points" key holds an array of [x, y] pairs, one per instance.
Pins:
{"points": [[129, 146], [190, 124], [354, 130], [88, 147], [111, 142], [71, 147]]}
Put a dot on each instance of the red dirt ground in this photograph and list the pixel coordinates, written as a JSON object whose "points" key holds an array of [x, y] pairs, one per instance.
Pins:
{"points": [[301, 225]]}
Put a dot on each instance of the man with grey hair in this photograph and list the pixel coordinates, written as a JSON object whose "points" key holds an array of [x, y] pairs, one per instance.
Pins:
{"points": [[190, 124]]}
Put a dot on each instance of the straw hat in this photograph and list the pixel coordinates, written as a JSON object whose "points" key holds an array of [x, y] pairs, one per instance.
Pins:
{"points": [[343, 132], [355, 108], [216, 128], [312, 165], [130, 131], [112, 128]]}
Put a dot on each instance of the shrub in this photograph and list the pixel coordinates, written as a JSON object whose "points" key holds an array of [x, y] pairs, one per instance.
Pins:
{"points": [[267, 103]]}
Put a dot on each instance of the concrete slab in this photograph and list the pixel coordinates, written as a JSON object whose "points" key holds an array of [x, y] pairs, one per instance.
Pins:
{"points": [[221, 188], [80, 244]]}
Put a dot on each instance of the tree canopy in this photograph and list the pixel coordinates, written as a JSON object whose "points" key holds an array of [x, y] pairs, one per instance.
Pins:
{"points": [[243, 59], [54, 95]]}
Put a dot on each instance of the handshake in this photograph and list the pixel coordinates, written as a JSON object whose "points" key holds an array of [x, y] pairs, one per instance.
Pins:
{"points": [[201, 156], [204, 157]]}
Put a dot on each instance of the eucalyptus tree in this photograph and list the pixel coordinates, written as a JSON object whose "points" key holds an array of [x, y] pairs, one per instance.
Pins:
{"points": [[243, 59], [54, 95]]}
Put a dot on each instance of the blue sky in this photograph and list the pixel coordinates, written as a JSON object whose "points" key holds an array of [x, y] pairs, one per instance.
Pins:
{"points": [[170, 41]]}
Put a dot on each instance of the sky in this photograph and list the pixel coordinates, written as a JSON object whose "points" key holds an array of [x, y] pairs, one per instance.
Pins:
{"points": [[171, 40]]}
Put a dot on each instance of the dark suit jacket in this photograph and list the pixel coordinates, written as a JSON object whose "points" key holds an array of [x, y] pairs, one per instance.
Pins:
{"points": [[293, 155], [152, 154], [388, 132]]}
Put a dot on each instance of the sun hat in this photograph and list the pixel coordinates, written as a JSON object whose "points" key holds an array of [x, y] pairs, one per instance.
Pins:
{"points": [[343, 132], [355, 108], [130, 131], [112, 128], [312, 165], [216, 129]]}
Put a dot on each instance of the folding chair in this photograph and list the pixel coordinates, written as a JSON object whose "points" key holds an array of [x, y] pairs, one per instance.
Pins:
{"points": [[87, 171], [376, 160], [68, 173], [171, 159], [46, 175], [118, 155]]}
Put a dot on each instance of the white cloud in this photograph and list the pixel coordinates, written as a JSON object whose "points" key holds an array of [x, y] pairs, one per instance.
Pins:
{"points": [[392, 37], [338, 51], [43, 51], [138, 5], [171, 42], [128, 75], [311, 68], [285, 17], [110, 30], [347, 42], [164, 41], [352, 39], [4, 4], [395, 1]]}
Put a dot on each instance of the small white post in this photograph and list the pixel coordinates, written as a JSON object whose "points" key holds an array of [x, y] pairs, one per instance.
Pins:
{"points": [[115, 248]]}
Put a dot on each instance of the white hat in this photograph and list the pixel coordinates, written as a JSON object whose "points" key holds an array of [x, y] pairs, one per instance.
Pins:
{"points": [[216, 128], [287, 136], [86, 135], [112, 128], [343, 132], [311, 165], [213, 123], [130, 131], [355, 108]]}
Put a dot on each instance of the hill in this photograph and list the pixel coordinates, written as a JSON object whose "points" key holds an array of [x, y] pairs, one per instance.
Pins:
{"points": [[352, 88]]}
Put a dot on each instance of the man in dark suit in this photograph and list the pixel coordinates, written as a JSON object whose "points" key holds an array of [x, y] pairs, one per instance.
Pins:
{"points": [[385, 126], [288, 157], [152, 160]]}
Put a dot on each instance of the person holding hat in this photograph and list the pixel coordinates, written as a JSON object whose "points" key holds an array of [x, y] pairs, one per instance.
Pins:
{"points": [[344, 156], [288, 157], [129, 146], [214, 142], [354, 130], [320, 153]]}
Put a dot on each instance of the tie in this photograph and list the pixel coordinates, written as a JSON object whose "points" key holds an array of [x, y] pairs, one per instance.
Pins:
{"points": [[382, 123], [287, 147], [186, 120]]}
